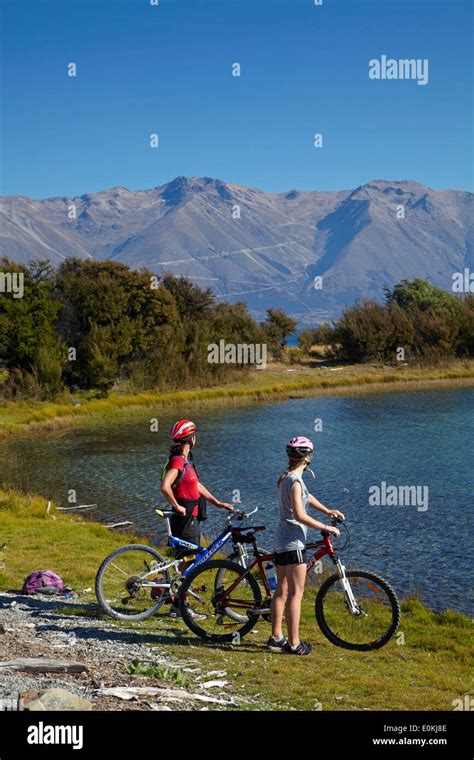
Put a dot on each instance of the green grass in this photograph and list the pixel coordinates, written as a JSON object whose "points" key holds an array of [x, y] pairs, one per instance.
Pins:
{"points": [[161, 672], [35, 541], [429, 670], [277, 382], [426, 667]]}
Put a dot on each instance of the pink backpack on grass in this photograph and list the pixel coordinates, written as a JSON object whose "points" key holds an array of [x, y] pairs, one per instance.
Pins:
{"points": [[44, 582]]}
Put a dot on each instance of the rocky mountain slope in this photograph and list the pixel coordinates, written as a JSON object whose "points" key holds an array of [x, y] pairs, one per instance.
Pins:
{"points": [[263, 248]]}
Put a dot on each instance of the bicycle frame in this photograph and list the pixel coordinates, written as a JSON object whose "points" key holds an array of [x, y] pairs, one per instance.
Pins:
{"points": [[323, 548], [328, 549], [203, 554]]}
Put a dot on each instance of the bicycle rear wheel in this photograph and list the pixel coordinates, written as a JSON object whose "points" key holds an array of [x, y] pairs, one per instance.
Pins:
{"points": [[208, 607], [376, 619], [127, 582]]}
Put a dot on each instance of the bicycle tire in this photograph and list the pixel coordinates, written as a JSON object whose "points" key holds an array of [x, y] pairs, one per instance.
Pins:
{"points": [[100, 573], [332, 637], [234, 557], [193, 624]]}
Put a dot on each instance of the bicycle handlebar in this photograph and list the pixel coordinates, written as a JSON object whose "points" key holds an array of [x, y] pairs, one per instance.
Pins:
{"points": [[334, 522], [239, 515]]}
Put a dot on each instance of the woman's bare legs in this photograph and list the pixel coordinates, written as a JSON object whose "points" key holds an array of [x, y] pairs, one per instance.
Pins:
{"points": [[277, 606], [295, 577]]}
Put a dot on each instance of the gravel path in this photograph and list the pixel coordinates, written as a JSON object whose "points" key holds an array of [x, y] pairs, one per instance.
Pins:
{"points": [[32, 627]]}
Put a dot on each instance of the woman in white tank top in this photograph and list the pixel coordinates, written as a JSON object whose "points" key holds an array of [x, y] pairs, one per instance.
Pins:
{"points": [[289, 547]]}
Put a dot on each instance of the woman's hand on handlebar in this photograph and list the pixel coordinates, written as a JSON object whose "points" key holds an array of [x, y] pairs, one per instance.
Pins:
{"points": [[239, 514], [331, 529], [225, 505], [233, 514], [335, 514]]}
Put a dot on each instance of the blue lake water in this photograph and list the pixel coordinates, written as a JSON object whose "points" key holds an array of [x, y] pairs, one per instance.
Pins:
{"points": [[404, 439]]}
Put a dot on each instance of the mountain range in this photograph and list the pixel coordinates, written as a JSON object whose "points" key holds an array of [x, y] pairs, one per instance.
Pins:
{"points": [[259, 247]]}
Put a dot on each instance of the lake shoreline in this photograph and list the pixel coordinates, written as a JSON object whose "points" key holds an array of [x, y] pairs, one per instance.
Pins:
{"points": [[18, 418], [428, 642]]}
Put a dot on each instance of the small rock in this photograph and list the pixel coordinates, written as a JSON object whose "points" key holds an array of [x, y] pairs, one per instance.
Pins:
{"points": [[53, 699]]}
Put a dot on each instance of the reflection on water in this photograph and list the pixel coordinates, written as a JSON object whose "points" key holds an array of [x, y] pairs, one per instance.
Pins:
{"points": [[403, 439]]}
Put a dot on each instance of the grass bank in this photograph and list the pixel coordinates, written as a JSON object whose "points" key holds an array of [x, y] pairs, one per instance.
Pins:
{"points": [[427, 667], [277, 382]]}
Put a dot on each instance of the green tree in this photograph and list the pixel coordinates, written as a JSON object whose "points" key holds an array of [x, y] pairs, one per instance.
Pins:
{"points": [[421, 295], [191, 300], [465, 346], [320, 335], [115, 319], [28, 340], [364, 332], [277, 328], [194, 305]]}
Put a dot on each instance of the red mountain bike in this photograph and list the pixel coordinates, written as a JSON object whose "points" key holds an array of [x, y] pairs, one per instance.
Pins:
{"points": [[354, 609]]}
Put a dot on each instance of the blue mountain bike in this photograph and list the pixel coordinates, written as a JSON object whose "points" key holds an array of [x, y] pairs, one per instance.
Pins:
{"points": [[135, 581]]}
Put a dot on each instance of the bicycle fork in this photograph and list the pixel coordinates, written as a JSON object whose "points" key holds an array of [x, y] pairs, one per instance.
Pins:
{"points": [[349, 596]]}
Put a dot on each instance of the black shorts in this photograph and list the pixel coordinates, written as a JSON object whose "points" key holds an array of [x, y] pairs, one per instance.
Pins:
{"points": [[295, 557], [190, 533]]}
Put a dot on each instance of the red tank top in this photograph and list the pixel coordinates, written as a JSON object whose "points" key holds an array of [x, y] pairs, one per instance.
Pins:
{"points": [[187, 488]]}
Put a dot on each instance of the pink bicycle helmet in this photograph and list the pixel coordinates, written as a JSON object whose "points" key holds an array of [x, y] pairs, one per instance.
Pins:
{"points": [[299, 447]]}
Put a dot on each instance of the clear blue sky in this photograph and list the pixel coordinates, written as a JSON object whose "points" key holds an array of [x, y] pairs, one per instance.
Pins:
{"points": [[167, 69]]}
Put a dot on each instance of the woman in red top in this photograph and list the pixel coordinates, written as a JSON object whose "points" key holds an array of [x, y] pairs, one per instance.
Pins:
{"points": [[181, 487]]}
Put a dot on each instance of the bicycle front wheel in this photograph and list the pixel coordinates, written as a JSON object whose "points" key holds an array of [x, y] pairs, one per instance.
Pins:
{"points": [[210, 597], [375, 619], [127, 584], [244, 562]]}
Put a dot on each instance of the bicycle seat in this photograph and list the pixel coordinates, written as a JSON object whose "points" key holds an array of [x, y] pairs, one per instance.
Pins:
{"points": [[165, 512], [255, 528]]}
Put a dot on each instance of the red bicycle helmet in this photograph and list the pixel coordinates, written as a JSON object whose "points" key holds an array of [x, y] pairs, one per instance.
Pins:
{"points": [[182, 429]]}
